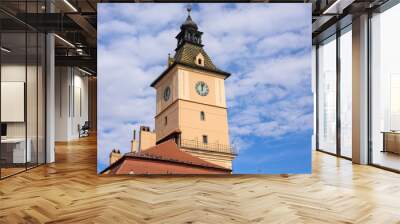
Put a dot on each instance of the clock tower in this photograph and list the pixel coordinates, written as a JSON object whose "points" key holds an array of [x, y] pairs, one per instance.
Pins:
{"points": [[190, 103]]}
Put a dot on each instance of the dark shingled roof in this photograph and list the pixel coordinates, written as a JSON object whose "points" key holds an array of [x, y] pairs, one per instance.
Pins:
{"points": [[188, 52], [189, 23], [186, 55]]}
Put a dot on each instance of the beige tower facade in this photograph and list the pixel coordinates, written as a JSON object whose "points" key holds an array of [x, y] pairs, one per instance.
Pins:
{"points": [[191, 104]]}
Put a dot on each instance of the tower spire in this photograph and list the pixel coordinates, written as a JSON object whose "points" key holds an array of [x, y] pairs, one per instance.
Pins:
{"points": [[189, 31], [189, 8]]}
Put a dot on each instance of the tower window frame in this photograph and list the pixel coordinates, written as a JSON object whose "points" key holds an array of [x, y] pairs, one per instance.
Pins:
{"points": [[165, 120], [202, 116], [205, 139]]}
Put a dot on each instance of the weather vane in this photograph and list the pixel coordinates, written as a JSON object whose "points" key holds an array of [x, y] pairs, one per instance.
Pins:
{"points": [[189, 8]]}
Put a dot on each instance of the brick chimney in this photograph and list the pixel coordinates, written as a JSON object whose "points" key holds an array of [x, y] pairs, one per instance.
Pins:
{"points": [[114, 156], [147, 138]]}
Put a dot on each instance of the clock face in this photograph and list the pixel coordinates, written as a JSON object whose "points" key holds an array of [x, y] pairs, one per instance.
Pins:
{"points": [[167, 93], [202, 88]]}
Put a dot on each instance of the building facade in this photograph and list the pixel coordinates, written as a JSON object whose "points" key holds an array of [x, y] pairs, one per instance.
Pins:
{"points": [[191, 111]]}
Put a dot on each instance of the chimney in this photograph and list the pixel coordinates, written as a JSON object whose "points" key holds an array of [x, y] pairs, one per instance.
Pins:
{"points": [[134, 144], [114, 156], [147, 138]]}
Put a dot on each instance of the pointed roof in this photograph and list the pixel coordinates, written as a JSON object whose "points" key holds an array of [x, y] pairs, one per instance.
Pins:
{"points": [[189, 23], [187, 54], [188, 49]]}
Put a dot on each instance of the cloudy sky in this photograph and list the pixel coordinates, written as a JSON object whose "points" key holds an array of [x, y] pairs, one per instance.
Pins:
{"points": [[266, 48]]}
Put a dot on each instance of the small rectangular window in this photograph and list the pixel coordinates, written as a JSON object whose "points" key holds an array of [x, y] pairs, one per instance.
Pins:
{"points": [[202, 116], [205, 139], [165, 121]]}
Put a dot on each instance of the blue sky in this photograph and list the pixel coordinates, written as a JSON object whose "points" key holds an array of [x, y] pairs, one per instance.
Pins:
{"points": [[266, 48]]}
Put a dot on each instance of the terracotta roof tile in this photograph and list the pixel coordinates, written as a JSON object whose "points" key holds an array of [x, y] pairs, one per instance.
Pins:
{"points": [[169, 151]]}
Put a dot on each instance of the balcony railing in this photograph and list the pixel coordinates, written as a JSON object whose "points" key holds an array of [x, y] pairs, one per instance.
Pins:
{"points": [[214, 147]]}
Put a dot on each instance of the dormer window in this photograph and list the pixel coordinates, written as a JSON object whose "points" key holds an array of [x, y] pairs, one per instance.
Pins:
{"points": [[199, 59]]}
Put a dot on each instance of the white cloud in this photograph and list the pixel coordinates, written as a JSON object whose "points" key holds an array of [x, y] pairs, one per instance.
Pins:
{"points": [[283, 43], [266, 47]]}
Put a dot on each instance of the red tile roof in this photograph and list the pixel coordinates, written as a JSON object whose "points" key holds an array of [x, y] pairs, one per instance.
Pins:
{"points": [[169, 151], [164, 158]]}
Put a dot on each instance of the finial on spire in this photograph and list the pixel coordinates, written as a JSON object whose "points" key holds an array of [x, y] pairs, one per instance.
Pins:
{"points": [[189, 8]]}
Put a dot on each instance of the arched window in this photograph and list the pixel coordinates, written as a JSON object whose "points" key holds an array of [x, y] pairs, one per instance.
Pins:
{"points": [[202, 116], [199, 60]]}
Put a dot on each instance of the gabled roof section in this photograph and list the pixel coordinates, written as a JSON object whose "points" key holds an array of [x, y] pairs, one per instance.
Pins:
{"points": [[167, 152]]}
